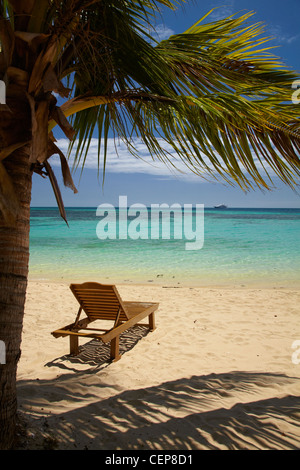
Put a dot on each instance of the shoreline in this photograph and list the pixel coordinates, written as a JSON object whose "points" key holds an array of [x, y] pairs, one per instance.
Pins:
{"points": [[160, 282]]}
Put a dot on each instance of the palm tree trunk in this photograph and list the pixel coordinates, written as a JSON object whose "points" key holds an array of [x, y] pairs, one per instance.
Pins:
{"points": [[14, 258]]}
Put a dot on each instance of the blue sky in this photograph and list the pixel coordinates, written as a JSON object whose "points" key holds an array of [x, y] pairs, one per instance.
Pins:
{"points": [[146, 182]]}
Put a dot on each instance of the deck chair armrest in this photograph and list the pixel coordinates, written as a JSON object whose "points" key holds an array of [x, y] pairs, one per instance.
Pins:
{"points": [[81, 324], [114, 332]]}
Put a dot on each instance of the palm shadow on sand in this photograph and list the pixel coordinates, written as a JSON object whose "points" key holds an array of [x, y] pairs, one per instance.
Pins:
{"points": [[217, 411]]}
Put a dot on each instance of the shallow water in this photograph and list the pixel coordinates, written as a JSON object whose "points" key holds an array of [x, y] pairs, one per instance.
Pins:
{"points": [[240, 246]]}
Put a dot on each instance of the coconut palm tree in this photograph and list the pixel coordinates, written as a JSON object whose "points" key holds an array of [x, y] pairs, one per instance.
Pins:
{"points": [[215, 94]]}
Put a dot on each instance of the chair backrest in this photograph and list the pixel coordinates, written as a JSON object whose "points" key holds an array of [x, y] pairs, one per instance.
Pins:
{"points": [[99, 301]]}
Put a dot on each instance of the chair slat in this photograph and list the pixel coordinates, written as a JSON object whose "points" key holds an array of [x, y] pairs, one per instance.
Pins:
{"points": [[99, 301]]}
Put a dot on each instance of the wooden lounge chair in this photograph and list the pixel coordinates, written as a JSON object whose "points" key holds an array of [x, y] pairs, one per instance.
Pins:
{"points": [[103, 302]]}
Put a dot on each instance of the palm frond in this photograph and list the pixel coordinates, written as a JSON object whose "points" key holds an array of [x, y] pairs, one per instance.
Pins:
{"points": [[223, 102]]}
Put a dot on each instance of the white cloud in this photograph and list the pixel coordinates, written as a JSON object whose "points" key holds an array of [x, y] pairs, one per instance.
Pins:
{"points": [[281, 36], [120, 160], [162, 32], [159, 32], [222, 11]]}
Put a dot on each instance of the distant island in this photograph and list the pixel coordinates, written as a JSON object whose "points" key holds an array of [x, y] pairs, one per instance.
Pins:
{"points": [[220, 206]]}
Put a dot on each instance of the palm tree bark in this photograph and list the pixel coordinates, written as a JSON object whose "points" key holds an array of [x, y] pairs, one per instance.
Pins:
{"points": [[14, 259]]}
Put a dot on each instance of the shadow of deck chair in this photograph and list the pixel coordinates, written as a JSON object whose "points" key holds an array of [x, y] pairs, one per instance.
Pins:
{"points": [[103, 302]]}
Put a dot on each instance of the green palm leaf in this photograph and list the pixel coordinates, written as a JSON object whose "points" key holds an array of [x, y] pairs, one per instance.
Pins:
{"points": [[228, 101]]}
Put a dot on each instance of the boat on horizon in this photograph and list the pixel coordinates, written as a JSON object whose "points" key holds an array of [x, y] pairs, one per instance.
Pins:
{"points": [[220, 206]]}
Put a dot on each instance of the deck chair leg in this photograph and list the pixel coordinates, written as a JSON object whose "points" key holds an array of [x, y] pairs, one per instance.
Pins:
{"points": [[152, 322], [74, 349], [114, 349]]}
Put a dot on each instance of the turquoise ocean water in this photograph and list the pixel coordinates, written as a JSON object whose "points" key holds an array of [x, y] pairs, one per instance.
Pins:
{"points": [[241, 247]]}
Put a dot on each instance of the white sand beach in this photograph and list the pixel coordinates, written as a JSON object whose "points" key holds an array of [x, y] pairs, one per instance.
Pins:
{"points": [[219, 372]]}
